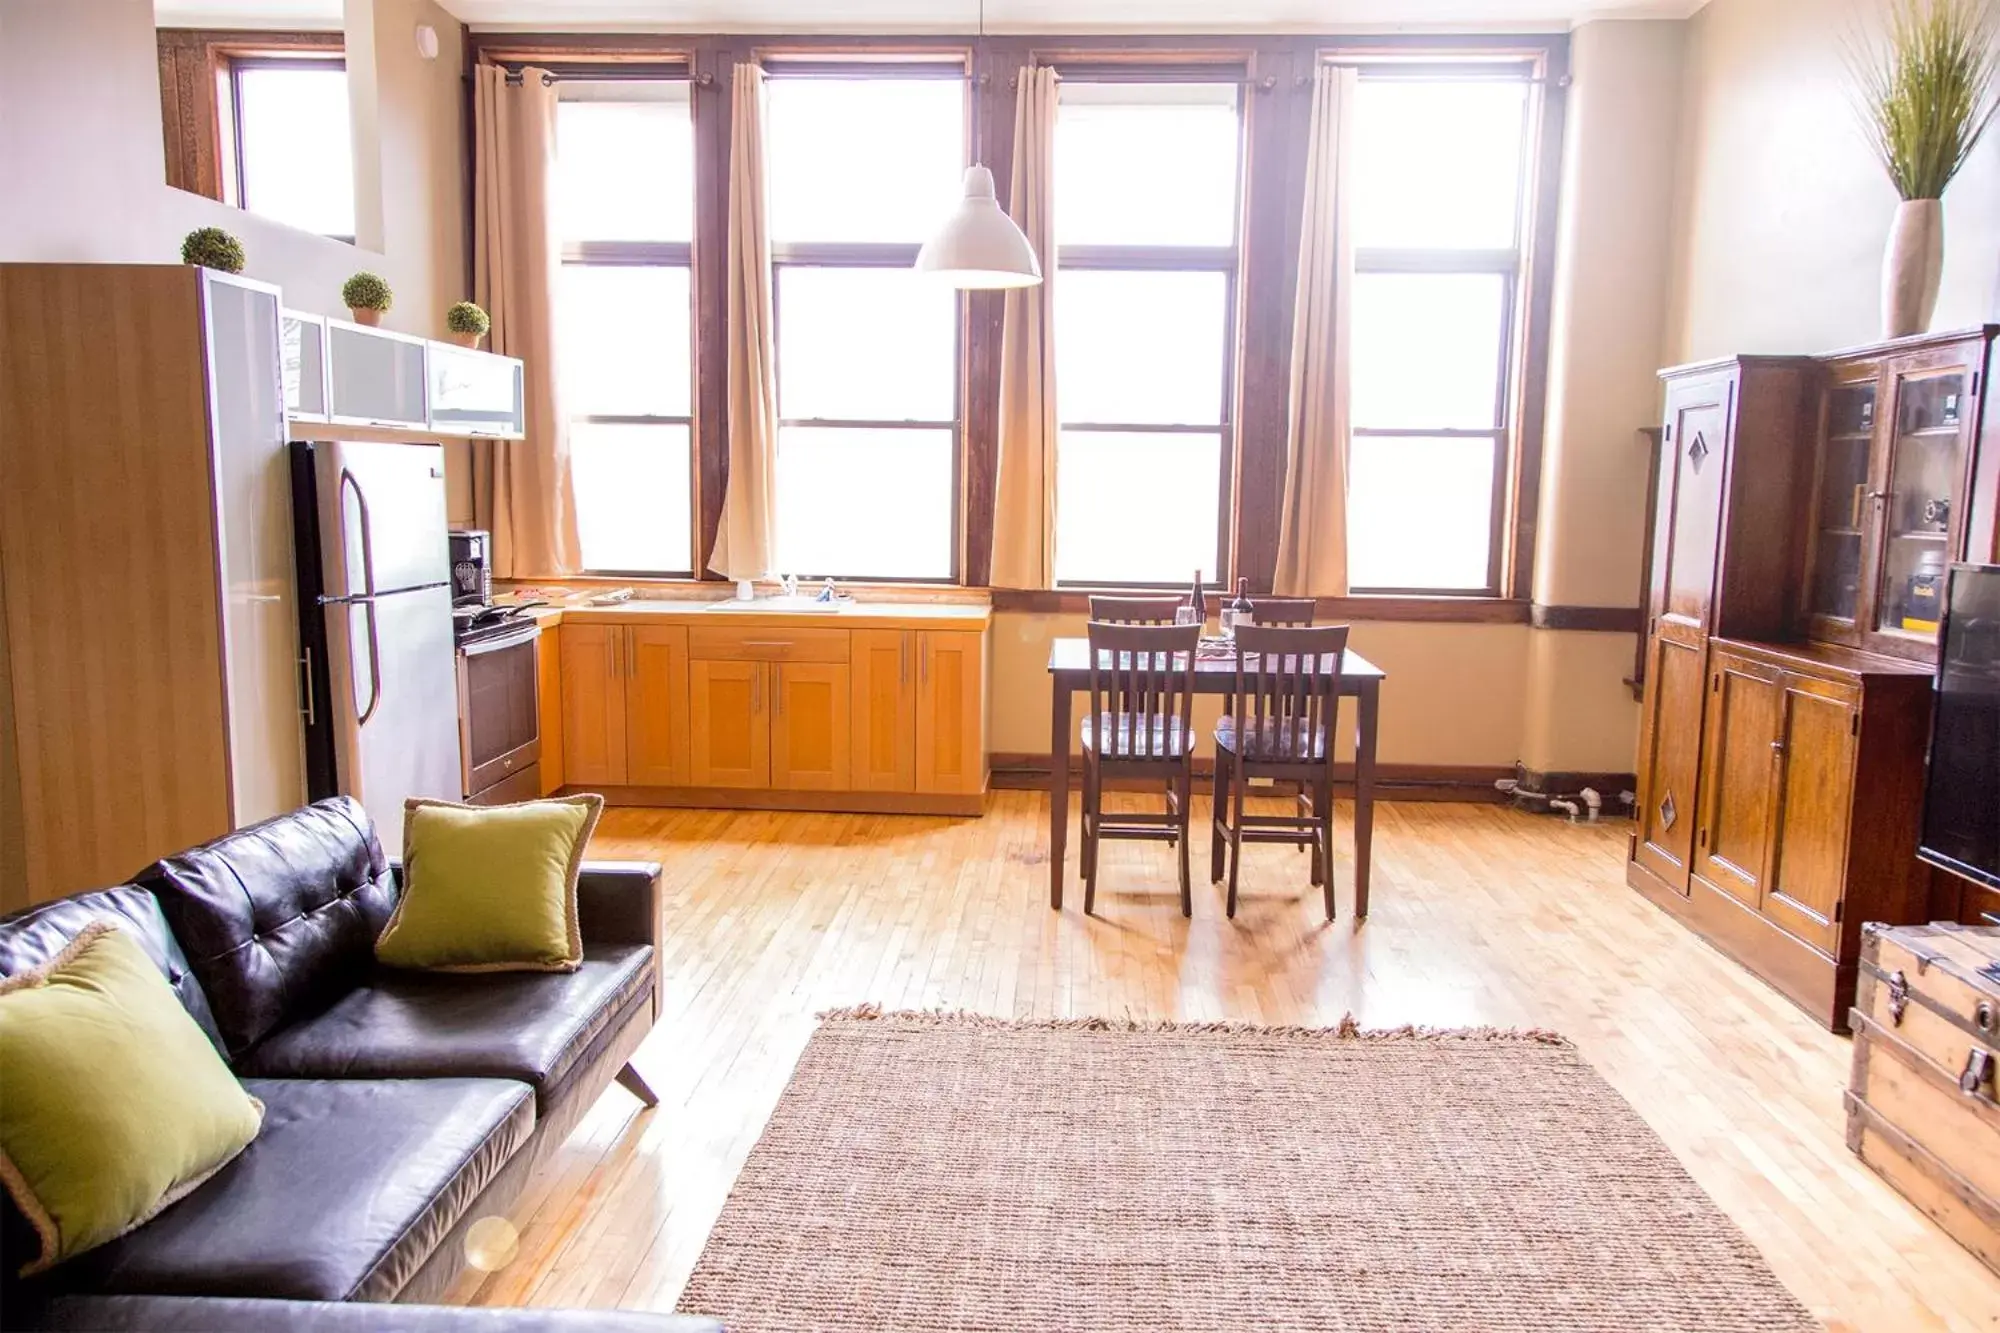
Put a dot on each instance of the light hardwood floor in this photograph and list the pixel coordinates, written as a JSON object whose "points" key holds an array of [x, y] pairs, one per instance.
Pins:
{"points": [[1479, 915]]}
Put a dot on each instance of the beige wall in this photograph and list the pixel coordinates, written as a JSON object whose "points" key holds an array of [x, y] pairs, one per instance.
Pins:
{"points": [[80, 150], [82, 177], [1781, 213]]}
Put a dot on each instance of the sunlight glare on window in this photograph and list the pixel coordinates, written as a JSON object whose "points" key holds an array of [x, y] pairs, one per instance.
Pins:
{"points": [[863, 159], [297, 145], [1438, 162]]}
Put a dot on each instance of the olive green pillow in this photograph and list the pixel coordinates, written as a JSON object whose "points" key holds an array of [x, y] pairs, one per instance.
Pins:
{"points": [[115, 1104], [490, 888]]}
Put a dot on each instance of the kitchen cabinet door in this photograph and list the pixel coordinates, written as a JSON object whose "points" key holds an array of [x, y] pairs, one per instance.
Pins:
{"points": [[1814, 805], [1739, 773], [549, 700], [656, 704], [729, 731], [883, 752], [810, 738], [593, 694], [951, 711]]}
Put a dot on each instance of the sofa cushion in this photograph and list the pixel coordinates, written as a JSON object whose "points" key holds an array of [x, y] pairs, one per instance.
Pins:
{"points": [[212, 1314], [116, 1104], [531, 1026], [278, 920], [32, 936], [344, 1194]]}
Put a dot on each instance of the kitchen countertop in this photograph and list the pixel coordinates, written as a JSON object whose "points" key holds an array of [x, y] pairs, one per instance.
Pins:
{"points": [[858, 615]]}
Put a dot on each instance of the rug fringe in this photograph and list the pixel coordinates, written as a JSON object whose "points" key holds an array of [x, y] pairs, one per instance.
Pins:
{"points": [[1347, 1029]]}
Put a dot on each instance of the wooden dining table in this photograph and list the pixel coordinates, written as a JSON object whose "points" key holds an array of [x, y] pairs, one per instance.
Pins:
{"points": [[1069, 672]]}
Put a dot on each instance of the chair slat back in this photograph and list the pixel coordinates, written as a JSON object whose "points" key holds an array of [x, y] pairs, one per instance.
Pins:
{"points": [[1142, 679], [1288, 688], [1294, 611], [1134, 610]]}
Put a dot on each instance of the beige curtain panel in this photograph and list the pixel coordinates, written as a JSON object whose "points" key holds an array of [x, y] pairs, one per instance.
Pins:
{"points": [[746, 539], [1024, 517], [521, 491], [1312, 523]]}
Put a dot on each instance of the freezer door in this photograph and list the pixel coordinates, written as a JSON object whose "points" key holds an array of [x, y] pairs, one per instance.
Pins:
{"points": [[381, 516], [395, 701]]}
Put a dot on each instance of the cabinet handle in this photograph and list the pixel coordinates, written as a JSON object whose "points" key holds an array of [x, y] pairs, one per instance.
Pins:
{"points": [[311, 712], [1777, 748], [778, 692], [757, 691], [767, 643], [923, 664], [903, 659]]}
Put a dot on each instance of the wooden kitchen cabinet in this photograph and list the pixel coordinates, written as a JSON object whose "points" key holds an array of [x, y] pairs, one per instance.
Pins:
{"points": [[951, 711], [656, 704], [810, 740], [882, 754], [729, 730], [548, 681], [778, 710]]}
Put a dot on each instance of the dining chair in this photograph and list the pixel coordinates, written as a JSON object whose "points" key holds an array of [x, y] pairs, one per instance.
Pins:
{"points": [[1135, 610], [1140, 725], [1279, 724], [1292, 611]]}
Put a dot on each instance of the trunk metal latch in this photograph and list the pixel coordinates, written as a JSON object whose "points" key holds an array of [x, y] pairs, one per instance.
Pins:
{"points": [[1899, 996]]}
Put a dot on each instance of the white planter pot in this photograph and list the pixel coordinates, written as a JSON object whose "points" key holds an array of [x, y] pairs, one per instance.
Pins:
{"points": [[1912, 267]]}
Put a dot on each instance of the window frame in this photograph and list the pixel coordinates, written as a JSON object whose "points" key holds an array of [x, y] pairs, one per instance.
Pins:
{"points": [[648, 254], [229, 116], [954, 67], [1519, 362], [1225, 259]]}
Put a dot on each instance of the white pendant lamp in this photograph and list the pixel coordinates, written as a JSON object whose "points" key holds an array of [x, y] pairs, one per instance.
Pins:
{"points": [[979, 246]]}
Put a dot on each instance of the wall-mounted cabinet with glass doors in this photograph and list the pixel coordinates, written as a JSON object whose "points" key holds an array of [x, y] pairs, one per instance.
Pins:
{"points": [[343, 374], [1897, 433]]}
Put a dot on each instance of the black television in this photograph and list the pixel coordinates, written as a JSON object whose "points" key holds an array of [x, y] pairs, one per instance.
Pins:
{"points": [[1962, 785]]}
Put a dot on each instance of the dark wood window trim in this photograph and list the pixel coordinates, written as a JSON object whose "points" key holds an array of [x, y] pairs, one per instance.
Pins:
{"points": [[1277, 70], [193, 63]]}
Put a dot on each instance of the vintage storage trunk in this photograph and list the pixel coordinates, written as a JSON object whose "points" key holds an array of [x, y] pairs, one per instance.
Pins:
{"points": [[1922, 1110]]}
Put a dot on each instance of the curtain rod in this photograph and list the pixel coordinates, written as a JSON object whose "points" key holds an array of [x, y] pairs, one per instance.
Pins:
{"points": [[617, 74]]}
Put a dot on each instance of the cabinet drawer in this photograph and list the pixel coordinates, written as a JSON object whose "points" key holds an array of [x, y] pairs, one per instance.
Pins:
{"points": [[741, 644]]}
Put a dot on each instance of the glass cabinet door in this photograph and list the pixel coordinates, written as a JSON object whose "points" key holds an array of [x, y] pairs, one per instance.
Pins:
{"points": [[1916, 506], [1835, 590]]}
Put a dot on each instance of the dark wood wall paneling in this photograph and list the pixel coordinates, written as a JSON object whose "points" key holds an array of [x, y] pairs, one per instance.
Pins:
{"points": [[1277, 78]]}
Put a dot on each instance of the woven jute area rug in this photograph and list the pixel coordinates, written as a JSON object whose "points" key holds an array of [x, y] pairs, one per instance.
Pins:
{"points": [[928, 1172]]}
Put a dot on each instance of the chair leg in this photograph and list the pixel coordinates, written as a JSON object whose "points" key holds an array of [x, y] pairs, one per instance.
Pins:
{"points": [[629, 1079], [1170, 804], [1323, 846], [1092, 795], [1185, 790], [1312, 808], [1218, 824], [1235, 838], [1304, 804]]}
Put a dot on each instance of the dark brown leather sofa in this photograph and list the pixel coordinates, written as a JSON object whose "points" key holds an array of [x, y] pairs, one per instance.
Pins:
{"points": [[399, 1107]]}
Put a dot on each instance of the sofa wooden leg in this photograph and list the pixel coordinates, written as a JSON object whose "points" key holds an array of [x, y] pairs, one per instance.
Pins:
{"points": [[629, 1079]]}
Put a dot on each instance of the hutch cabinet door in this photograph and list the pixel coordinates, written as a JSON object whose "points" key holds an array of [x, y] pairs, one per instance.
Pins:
{"points": [[656, 691], [884, 749], [1841, 505], [809, 726], [729, 742], [593, 695], [951, 711], [1814, 803], [1918, 499], [1739, 775], [1690, 513], [1670, 753]]}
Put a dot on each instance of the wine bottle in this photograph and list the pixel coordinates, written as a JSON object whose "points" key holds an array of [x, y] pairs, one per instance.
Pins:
{"points": [[1199, 601], [1237, 612]]}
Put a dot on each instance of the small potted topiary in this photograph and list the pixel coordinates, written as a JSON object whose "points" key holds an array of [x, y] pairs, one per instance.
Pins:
{"points": [[212, 247], [467, 324], [367, 296]]}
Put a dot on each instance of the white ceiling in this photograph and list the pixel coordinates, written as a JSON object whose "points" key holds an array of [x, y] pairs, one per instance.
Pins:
{"points": [[959, 16]]}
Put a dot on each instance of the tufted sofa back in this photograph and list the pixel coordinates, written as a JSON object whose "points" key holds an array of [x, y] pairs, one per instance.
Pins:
{"points": [[278, 920]]}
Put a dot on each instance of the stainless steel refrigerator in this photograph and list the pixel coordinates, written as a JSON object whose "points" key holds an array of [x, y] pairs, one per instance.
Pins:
{"points": [[375, 626]]}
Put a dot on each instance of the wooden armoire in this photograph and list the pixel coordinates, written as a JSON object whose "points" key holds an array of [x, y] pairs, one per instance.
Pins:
{"points": [[1799, 534]]}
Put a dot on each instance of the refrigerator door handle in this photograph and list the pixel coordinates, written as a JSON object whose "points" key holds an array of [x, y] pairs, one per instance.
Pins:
{"points": [[374, 667], [347, 481], [367, 594]]}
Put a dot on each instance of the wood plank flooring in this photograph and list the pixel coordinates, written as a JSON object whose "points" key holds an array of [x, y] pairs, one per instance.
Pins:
{"points": [[1479, 915]]}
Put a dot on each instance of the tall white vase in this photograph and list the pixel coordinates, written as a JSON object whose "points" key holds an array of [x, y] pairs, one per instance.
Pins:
{"points": [[1912, 267]]}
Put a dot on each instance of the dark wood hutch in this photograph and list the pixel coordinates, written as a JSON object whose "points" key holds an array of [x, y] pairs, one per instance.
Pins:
{"points": [[1805, 512]]}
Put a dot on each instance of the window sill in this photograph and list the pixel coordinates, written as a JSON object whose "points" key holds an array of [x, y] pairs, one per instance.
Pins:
{"points": [[668, 588], [1442, 610]]}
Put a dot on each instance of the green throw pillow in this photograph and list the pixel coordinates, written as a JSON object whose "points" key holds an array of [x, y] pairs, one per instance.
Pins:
{"points": [[115, 1104], [490, 888]]}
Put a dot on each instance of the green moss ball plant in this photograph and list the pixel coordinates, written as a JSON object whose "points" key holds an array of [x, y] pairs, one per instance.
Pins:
{"points": [[467, 323], [366, 296], [212, 247]]}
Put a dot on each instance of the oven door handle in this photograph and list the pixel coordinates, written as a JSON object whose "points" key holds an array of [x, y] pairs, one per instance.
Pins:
{"points": [[480, 647]]}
